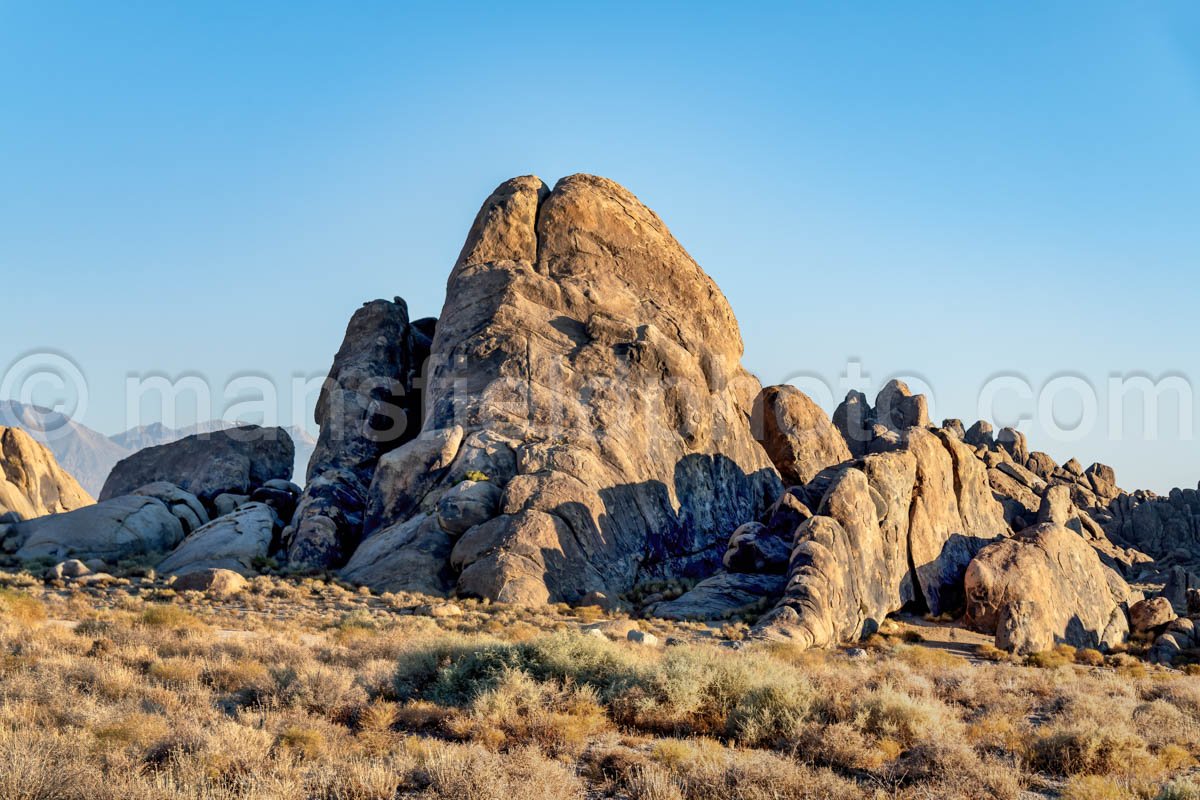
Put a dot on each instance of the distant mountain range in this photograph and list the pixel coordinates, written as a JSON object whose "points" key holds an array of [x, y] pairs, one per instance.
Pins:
{"points": [[89, 455]]}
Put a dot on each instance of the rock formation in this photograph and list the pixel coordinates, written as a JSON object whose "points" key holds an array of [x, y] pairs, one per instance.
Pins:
{"points": [[233, 542], [369, 405], [32, 484], [1069, 595], [112, 530], [797, 435], [586, 367], [234, 461]]}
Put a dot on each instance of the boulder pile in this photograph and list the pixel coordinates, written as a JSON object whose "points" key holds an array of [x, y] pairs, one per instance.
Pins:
{"points": [[576, 426]]}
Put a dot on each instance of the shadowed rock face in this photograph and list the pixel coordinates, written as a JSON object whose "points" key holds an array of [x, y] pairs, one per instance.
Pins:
{"points": [[588, 368], [368, 406]]}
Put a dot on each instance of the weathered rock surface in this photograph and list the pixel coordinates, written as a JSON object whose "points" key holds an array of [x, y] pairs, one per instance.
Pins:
{"points": [[797, 435], [1076, 595], [215, 582], [899, 527], [234, 461], [32, 484], [111, 530], [587, 367], [1024, 627], [1153, 612], [233, 542], [187, 508], [722, 596], [756, 548], [370, 404]]}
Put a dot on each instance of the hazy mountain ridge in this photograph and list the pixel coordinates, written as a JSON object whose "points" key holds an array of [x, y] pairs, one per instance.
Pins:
{"points": [[89, 455]]}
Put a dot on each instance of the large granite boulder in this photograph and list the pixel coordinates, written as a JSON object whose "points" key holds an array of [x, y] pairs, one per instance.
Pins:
{"points": [[797, 435], [111, 530], [233, 461], [1078, 599], [586, 366], [32, 484], [370, 404], [234, 542]]}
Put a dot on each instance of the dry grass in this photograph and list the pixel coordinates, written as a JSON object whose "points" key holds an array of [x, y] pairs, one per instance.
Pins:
{"points": [[304, 689]]}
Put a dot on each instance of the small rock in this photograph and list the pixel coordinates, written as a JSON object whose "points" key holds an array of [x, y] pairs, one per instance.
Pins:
{"points": [[216, 582], [439, 610], [856, 653], [281, 485], [67, 570], [97, 565], [616, 628], [595, 633], [643, 638], [229, 503]]}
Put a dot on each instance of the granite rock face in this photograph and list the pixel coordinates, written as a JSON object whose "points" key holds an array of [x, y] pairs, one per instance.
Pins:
{"points": [[233, 542], [896, 528], [586, 367], [1077, 597], [233, 461], [798, 436], [110, 530], [32, 484]]}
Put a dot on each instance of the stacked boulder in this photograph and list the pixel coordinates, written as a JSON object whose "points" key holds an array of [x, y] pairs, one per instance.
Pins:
{"points": [[210, 500], [888, 512]]}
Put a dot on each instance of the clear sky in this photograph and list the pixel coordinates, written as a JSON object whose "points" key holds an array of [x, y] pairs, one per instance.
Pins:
{"points": [[944, 190]]}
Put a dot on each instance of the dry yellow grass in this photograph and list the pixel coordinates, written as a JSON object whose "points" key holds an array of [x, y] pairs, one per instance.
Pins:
{"points": [[303, 689]]}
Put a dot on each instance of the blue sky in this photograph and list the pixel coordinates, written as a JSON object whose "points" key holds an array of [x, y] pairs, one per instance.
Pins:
{"points": [[944, 190]]}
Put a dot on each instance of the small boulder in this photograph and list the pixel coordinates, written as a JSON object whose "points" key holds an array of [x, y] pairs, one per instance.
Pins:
{"points": [[754, 548], [799, 438], [440, 610], [899, 409], [215, 582], [67, 570], [468, 504], [643, 638], [1147, 615], [980, 435], [187, 508]]}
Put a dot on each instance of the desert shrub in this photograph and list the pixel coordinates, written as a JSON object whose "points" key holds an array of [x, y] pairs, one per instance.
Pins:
{"points": [[520, 711], [1093, 787], [41, 767], [303, 741], [1181, 789], [22, 609], [1090, 657], [475, 774], [164, 615], [770, 715], [1086, 750]]}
